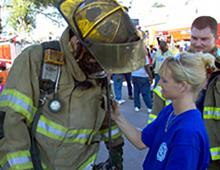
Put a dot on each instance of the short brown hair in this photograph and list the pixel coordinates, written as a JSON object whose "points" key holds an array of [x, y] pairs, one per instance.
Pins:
{"points": [[204, 22]]}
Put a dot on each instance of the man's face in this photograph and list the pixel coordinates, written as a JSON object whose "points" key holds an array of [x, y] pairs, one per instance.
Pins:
{"points": [[163, 48], [89, 65], [86, 61], [202, 40]]}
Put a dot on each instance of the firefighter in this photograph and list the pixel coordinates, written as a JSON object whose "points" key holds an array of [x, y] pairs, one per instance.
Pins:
{"points": [[204, 34], [211, 108], [66, 91]]}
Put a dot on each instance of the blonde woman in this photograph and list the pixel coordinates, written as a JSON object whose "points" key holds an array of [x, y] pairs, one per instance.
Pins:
{"points": [[177, 139]]}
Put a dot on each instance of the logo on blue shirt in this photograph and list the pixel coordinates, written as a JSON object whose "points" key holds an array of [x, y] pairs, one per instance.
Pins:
{"points": [[162, 151]]}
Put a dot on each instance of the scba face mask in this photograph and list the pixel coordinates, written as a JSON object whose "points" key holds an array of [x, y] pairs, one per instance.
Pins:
{"points": [[90, 66]]}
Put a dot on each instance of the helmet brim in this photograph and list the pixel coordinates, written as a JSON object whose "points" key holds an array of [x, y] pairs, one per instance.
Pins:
{"points": [[119, 58]]}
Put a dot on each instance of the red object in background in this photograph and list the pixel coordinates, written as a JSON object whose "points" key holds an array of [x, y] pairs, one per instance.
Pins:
{"points": [[5, 52], [165, 32], [218, 40], [2, 65], [3, 77]]}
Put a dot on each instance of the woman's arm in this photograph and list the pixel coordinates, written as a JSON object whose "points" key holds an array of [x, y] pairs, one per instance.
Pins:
{"points": [[131, 133]]}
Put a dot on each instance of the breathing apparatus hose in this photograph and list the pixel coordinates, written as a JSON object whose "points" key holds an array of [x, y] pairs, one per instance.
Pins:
{"points": [[109, 111]]}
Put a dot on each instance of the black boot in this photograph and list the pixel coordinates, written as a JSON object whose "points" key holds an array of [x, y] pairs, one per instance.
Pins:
{"points": [[116, 162]]}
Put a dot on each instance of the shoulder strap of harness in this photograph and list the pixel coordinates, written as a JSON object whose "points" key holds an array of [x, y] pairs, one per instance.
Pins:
{"points": [[55, 45], [47, 85]]}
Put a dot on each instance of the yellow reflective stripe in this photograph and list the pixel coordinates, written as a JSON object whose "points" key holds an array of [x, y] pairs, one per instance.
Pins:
{"points": [[58, 132], [215, 153], [17, 160], [79, 136], [151, 118], [51, 129], [167, 102], [88, 165], [115, 132], [211, 113], [18, 102], [157, 91]]}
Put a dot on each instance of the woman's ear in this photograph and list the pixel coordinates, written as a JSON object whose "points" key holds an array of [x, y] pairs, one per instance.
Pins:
{"points": [[183, 86]]}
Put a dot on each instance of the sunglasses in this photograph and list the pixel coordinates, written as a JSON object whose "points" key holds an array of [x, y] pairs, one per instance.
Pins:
{"points": [[177, 58]]}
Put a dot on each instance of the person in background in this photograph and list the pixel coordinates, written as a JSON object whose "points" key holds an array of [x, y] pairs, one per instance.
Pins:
{"points": [[204, 35], [142, 79], [3, 75], [117, 84], [177, 138], [153, 51], [158, 101], [127, 77], [162, 53]]}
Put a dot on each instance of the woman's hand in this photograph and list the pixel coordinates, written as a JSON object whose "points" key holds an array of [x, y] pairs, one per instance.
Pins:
{"points": [[115, 111], [133, 135]]}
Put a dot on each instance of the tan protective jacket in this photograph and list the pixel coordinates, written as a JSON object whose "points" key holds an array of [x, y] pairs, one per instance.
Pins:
{"points": [[67, 140], [211, 114]]}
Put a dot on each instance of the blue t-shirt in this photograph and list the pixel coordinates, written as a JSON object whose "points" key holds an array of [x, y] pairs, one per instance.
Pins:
{"points": [[184, 146], [141, 71]]}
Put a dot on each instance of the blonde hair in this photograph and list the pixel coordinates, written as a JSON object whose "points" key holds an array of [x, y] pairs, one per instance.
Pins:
{"points": [[189, 67]]}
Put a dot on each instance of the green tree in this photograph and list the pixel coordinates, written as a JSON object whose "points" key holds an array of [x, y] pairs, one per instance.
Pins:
{"points": [[22, 13], [44, 3]]}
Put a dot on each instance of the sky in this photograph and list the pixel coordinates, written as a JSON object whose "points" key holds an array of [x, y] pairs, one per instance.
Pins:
{"points": [[45, 28], [175, 14]]}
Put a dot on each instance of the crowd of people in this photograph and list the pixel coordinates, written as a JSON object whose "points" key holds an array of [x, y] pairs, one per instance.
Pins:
{"points": [[56, 106], [199, 68], [177, 139]]}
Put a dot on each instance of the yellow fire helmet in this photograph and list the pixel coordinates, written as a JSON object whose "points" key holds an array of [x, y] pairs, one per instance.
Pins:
{"points": [[107, 32]]}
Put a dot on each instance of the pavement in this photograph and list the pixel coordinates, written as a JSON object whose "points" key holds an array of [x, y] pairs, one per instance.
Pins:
{"points": [[133, 158]]}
